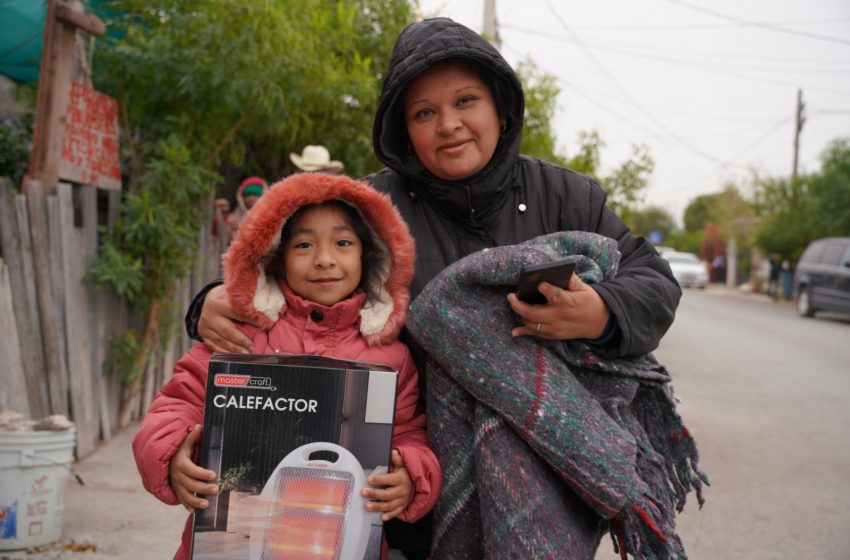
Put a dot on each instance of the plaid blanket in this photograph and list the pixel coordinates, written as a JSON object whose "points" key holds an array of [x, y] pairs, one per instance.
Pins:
{"points": [[545, 444]]}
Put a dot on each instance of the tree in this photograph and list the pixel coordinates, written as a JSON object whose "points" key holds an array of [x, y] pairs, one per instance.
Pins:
{"points": [[626, 183], [816, 206], [541, 93], [652, 218], [830, 191]]}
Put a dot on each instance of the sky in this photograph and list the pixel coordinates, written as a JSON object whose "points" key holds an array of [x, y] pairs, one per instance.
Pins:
{"points": [[709, 87]]}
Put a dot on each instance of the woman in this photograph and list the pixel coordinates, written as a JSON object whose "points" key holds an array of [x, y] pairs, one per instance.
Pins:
{"points": [[448, 129]]}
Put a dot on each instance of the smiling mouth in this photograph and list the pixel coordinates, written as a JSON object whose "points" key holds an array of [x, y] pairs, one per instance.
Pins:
{"points": [[453, 147]]}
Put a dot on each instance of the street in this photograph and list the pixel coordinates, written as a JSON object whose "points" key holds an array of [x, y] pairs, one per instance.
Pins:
{"points": [[767, 396]]}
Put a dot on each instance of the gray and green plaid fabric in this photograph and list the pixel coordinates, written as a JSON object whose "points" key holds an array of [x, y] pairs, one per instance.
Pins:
{"points": [[545, 444]]}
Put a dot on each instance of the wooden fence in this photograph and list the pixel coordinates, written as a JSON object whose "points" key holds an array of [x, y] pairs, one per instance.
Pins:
{"points": [[56, 327]]}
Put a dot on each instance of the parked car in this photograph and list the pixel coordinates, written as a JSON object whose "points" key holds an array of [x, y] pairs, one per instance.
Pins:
{"points": [[688, 270], [822, 278]]}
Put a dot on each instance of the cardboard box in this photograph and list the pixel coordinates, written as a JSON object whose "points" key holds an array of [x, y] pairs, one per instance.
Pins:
{"points": [[293, 439]]}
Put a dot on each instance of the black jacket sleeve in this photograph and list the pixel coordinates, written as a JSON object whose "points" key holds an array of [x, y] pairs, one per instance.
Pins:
{"points": [[644, 295], [193, 315]]}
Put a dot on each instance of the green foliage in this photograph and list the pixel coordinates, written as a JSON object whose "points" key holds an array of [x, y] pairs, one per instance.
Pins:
{"points": [[686, 241], [14, 152], [121, 356], [249, 82], [587, 159], [817, 205], [541, 93], [786, 225], [697, 213], [652, 218], [154, 241], [830, 191], [728, 209], [627, 182], [16, 136]]}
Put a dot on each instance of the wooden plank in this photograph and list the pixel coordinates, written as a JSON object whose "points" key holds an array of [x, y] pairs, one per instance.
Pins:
{"points": [[88, 204], [47, 310], [14, 386], [77, 321], [22, 294], [60, 377], [114, 322]]}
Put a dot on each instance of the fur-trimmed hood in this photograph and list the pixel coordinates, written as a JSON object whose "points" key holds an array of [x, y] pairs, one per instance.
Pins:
{"points": [[251, 258]]}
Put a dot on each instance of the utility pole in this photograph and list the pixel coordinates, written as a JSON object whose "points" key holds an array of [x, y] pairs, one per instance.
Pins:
{"points": [[798, 128], [491, 25]]}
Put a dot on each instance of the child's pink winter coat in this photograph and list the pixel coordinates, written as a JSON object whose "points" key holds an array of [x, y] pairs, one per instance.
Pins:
{"points": [[363, 327]]}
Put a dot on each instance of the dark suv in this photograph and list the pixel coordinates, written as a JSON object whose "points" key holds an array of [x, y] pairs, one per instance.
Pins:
{"points": [[822, 279]]}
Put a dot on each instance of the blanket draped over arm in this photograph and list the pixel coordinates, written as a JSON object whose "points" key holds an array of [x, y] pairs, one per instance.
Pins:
{"points": [[545, 443]]}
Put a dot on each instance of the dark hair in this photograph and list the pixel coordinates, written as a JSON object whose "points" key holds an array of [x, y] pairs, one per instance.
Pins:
{"points": [[370, 257]]}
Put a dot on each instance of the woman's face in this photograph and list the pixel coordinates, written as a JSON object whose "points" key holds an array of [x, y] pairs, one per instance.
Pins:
{"points": [[451, 120]]}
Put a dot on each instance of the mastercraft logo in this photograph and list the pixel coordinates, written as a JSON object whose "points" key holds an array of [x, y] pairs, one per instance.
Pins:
{"points": [[222, 380], [247, 381]]}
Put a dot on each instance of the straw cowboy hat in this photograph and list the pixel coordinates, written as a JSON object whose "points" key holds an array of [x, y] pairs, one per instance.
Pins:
{"points": [[316, 158]]}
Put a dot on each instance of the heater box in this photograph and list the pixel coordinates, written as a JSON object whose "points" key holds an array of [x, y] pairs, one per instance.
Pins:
{"points": [[333, 417]]}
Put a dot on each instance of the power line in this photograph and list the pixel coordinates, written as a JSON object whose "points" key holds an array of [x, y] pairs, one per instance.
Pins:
{"points": [[690, 64], [661, 54], [762, 25], [625, 93], [698, 26]]}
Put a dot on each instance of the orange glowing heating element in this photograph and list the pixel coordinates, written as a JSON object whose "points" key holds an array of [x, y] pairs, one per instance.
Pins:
{"points": [[302, 538], [322, 494]]}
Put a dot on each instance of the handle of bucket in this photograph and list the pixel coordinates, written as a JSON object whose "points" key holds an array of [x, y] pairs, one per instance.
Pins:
{"points": [[57, 463]]}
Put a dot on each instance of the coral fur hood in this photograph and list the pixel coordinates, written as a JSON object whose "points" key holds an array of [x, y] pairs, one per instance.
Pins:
{"points": [[250, 259]]}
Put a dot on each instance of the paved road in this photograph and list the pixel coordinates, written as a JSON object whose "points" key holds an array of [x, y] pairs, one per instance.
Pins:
{"points": [[767, 395]]}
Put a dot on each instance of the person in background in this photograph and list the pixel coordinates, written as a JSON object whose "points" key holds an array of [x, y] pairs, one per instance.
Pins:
{"points": [[221, 215], [247, 195], [448, 128], [323, 265], [316, 158]]}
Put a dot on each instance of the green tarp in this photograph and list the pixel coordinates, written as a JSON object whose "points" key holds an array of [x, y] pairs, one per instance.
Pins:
{"points": [[21, 37]]}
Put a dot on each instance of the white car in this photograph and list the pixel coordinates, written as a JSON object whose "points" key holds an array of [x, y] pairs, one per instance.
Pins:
{"points": [[688, 270]]}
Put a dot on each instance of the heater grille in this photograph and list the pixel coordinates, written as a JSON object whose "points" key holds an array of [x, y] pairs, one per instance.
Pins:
{"points": [[308, 514]]}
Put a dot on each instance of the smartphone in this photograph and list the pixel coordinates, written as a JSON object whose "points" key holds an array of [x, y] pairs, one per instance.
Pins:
{"points": [[557, 273]]}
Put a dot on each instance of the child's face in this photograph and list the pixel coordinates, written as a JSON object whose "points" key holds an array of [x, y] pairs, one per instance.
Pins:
{"points": [[322, 260]]}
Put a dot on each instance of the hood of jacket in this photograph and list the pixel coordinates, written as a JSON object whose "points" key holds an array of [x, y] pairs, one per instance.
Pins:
{"points": [[251, 261], [417, 48], [240, 198]]}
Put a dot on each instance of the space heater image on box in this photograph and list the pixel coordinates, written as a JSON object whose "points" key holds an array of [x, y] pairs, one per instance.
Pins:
{"points": [[315, 510]]}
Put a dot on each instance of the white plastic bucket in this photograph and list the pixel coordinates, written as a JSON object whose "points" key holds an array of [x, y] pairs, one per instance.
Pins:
{"points": [[34, 470]]}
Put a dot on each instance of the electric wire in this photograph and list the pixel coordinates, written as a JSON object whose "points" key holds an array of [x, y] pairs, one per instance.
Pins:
{"points": [[625, 93], [761, 25], [685, 63]]}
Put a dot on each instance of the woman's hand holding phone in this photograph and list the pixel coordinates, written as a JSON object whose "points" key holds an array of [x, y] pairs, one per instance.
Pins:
{"points": [[575, 312]]}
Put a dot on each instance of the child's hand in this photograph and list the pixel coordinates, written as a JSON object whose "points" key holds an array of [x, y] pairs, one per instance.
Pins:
{"points": [[398, 492], [187, 478]]}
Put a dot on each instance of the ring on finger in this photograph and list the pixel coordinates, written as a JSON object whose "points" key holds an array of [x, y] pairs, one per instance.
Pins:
{"points": [[538, 327]]}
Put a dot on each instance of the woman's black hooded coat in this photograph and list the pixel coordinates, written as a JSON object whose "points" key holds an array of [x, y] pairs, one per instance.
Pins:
{"points": [[514, 198]]}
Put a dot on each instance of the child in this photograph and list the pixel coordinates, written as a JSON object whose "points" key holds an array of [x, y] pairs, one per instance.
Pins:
{"points": [[323, 263]]}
